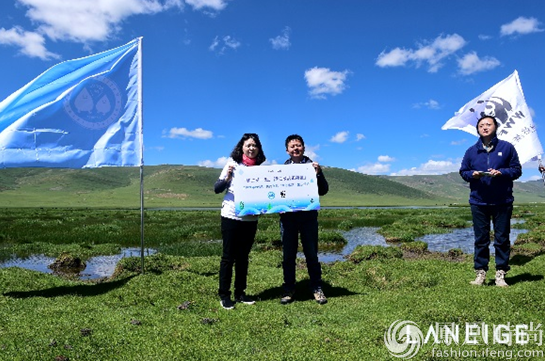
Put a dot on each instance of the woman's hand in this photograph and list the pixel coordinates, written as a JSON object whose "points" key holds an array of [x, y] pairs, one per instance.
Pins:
{"points": [[230, 171]]}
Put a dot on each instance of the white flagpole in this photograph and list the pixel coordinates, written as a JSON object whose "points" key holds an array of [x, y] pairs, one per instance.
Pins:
{"points": [[140, 114]]}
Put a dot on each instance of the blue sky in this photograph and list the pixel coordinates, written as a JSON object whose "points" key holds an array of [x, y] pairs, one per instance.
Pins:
{"points": [[368, 84]]}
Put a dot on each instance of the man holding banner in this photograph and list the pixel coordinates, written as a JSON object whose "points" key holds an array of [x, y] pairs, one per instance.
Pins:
{"points": [[305, 223]]}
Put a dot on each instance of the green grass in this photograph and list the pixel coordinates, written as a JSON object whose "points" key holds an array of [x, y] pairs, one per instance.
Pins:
{"points": [[171, 311], [142, 317]]}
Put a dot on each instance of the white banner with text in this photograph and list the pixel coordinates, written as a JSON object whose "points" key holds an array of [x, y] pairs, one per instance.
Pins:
{"points": [[276, 189]]}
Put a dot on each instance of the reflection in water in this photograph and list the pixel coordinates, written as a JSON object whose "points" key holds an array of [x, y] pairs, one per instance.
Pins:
{"points": [[97, 267], [461, 238], [34, 263]]}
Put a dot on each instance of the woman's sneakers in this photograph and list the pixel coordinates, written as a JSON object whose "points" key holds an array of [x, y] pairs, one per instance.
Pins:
{"points": [[227, 304], [480, 277], [500, 278]]}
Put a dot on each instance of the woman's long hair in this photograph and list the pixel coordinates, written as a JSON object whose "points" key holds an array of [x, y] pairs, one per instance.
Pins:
{"points": [[236, 154]]}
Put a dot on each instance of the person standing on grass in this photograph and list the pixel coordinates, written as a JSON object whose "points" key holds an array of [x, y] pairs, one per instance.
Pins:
{"points": [[304, 223], [238, 233], [490, 166]]}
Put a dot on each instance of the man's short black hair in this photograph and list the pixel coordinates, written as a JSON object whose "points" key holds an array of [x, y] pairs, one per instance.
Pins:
{"points": [[294, 137]]}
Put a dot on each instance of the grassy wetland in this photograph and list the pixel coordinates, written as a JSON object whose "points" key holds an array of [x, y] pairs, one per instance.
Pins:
{"points": [[170, 311]]}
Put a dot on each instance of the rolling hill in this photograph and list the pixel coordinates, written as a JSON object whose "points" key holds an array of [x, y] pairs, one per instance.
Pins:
{"points": [[192, 186], [451, 186]]}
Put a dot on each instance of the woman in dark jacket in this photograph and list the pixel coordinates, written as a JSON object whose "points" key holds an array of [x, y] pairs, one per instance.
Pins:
{"points": [[490, 166]]}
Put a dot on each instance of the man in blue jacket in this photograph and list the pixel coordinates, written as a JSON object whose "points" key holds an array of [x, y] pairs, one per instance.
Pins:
{"points": [[490, 166]]}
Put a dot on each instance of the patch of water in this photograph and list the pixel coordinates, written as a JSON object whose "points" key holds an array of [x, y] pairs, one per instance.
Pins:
{"points": [[104, 266], [462, 238], [354, 237], [97, 267]]}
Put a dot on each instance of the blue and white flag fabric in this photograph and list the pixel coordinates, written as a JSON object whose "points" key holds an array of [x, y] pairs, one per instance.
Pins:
{"points": [[504, 101], [81, 113]]}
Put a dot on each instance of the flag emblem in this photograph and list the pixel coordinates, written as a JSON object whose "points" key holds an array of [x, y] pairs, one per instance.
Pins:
{"points": [[95, 106]]}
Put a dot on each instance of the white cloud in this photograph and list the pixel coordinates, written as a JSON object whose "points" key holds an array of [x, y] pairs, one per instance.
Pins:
{"points": [[310, 151], [534, 178], [431, 167], [214, 44], [218, 163], [31, 43], [340, 137], [220, 45], [282, 42], [430, 52], [198, 133], [471, 63], [359, 137], [231, 42], [396, 57], [216, 5], [430, 104], [88, 20], [385, 158], [484, 37], [458, 142], [522, 26], [373, 169], [323, 81]]}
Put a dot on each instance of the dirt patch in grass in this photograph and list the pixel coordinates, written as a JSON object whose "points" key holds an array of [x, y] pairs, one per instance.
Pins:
{"points": [[448, 256]]}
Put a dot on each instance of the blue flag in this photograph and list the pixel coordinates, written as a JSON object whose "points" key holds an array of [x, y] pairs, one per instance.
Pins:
{"points": [[81, 113]]}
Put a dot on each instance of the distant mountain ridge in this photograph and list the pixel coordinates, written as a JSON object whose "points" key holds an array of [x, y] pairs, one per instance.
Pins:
{"points": [[192, 186]]}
